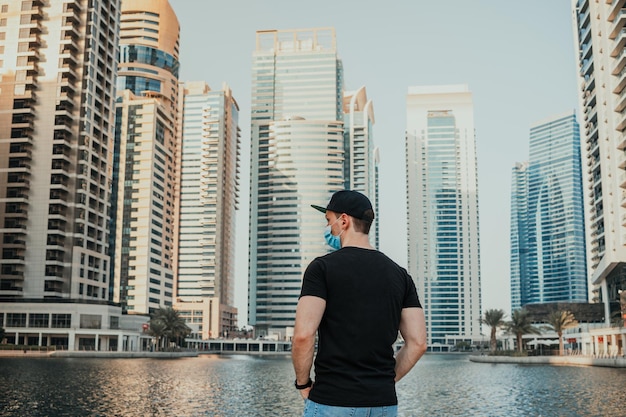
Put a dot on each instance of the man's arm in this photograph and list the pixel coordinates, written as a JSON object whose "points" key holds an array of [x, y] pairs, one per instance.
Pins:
{"points": [[413, 331], [308, 317]]}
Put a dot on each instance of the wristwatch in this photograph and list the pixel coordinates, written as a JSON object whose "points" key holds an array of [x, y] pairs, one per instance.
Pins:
{"points": [[309, 384]]}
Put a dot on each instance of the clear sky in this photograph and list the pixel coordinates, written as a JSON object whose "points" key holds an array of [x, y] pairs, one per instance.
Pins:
{"points": [[518, 60]]}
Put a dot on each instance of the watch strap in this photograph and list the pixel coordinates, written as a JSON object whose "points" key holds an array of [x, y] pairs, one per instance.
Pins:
{"points": [[308, 384]]}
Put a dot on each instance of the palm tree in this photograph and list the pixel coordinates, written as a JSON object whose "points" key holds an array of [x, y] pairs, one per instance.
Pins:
{"points": [[493, 318], [172, 326], [157, 330], [559, 321], [520, 325]]}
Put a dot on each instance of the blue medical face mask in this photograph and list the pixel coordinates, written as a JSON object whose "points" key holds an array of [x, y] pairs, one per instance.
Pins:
{"points": [[332, 240]]}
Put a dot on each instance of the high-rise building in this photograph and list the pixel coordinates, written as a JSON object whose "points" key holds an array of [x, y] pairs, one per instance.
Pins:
{"points": [[361, 156], [298, 157], [442, 201], [600, 41], [519, 231], [57, 73], [145, 156], [207, 201], [547, 226]]}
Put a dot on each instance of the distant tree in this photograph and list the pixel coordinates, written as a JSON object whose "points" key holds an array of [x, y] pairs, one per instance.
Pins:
{"points": [[493, 318], [1, 334], [168, 326], [520, 325], [157, 330], [559, 321]]}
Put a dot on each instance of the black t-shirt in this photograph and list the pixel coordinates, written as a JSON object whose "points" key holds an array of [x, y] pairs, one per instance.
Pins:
{"points": [[365, 292]]}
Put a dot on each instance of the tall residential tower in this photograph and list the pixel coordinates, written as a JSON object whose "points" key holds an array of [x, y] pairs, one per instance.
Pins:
{"points": [[442, 201], [600, 35], [547, 225], [207, 201], [145, 153], [57, 72]]}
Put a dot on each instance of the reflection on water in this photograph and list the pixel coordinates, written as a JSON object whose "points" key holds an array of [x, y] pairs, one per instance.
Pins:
{"points": [[441, 385]]}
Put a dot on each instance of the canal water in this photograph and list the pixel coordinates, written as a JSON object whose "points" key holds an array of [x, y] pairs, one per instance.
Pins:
{"points": [[440, 385]]}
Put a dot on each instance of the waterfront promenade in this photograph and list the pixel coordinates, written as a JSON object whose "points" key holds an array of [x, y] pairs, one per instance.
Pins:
{"points": [[573, 360], [93, 354]]}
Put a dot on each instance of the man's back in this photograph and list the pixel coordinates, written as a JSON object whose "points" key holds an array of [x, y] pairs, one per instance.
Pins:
{"points": [[365, 293]]}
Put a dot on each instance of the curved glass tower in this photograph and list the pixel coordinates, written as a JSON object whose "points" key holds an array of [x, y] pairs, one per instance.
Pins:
{"points": [[548, 247]]}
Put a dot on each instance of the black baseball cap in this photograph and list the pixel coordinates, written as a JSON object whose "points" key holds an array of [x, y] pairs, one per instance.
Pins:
{"points": [[353, 203]]}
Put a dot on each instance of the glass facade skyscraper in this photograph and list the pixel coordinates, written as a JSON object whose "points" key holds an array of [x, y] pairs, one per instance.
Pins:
{"points": [[362, 156], [442, 200], [299, 156], [547, 224]]}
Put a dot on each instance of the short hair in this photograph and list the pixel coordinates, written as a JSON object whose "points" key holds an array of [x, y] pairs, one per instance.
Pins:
{"points": [[363, 225]]}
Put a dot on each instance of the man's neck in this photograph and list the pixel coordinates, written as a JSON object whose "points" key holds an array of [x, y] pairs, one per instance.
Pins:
{"points": [[356, 240]]}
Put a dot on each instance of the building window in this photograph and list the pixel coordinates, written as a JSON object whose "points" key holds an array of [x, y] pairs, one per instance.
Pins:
{"points": [[38, 320], [90, 321], [114, 322], [16, 319], [61, 321]]}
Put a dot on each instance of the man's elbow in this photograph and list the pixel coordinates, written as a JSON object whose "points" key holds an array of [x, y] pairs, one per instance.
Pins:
{"points": [[418, 346], [421, 347], [303, 338]]}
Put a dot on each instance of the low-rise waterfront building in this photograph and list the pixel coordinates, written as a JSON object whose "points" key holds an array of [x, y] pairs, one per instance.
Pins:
{"points": [[70, 325]]}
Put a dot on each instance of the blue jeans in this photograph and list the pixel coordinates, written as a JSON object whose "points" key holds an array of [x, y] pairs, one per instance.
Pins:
{"points": [[312, 409]]}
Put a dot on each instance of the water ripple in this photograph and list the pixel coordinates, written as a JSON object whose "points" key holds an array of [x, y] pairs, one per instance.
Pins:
{"points": [[240, 386]]}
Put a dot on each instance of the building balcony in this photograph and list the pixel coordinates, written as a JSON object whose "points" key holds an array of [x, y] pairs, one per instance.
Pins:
{"points": [[20, 214], [55, 243], [621, 118], [16, 195], [55, 271], [621, 158], [28, 95], [585, 66], [620, 62], [74, 5], [11, 285], [618, 43], [57, 210], [58, 194], [12, 225], [68, 58], [68, 74], [615, 8], [17, 258], [19, 165], [18, 180], [60, 165], [622, 179], [619, 20], [53, 286], [620, 101]]}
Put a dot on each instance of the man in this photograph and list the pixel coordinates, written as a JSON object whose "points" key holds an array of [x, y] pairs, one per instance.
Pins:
{"points": [[358, 299]]}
